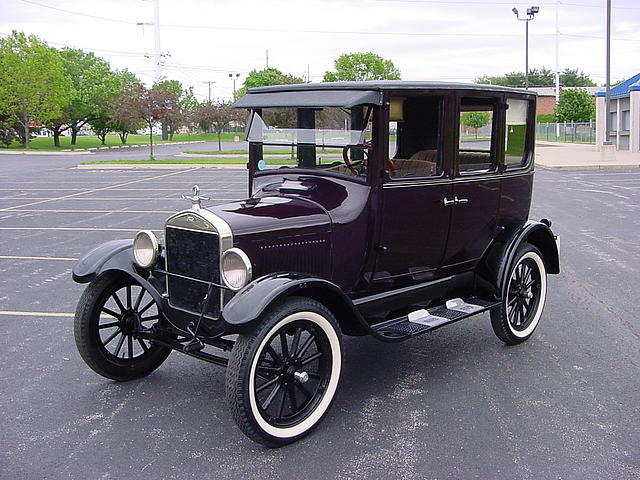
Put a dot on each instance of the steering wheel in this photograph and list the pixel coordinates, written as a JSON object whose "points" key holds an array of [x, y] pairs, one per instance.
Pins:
{"points": [[347, 162], [351, 166]]}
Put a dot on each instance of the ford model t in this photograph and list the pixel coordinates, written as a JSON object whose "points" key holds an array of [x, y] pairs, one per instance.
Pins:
{"points": [[403, 207]]}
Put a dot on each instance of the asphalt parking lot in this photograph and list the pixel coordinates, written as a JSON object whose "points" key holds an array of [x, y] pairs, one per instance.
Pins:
{"points": [[455, 403]]}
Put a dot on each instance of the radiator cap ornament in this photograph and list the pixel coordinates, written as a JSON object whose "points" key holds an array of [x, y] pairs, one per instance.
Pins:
{"points": [[195, 198]]}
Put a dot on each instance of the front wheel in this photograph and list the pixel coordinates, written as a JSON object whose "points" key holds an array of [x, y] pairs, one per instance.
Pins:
{"points": [[110, 313], [523, 297], [282, 377]]}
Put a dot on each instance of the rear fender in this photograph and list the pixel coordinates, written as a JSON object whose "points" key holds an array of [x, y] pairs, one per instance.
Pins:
{"points": [[246, 307], [495, 265]]}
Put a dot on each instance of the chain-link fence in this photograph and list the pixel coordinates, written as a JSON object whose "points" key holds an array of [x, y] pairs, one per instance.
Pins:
{"points": [[567, 132]]}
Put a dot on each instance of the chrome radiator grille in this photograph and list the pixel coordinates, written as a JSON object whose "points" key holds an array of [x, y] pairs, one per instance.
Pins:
{"points": [[195, 255]]}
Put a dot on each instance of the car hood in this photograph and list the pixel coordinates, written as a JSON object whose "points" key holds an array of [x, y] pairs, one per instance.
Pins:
{"points": [[273, 214]]}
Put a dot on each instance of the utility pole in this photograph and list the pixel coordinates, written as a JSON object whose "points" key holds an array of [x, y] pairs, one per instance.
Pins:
{"points": [[607, 95], [557, 63], [158, 52], [209, 82], [267, 59]]}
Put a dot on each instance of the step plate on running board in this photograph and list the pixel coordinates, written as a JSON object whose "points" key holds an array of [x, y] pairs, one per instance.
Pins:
{"points": [[422, 321]]}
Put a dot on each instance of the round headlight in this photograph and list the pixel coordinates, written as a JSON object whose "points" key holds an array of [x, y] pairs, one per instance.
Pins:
{"points": [[236, 268], [145, 248]]}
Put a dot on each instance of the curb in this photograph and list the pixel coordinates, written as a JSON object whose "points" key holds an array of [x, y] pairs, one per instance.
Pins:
{"points": [[627, 166], [161, 166], [90, 150]]}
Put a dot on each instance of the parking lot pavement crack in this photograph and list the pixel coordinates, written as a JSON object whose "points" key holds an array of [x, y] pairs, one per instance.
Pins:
{"points": [[100, 189]]}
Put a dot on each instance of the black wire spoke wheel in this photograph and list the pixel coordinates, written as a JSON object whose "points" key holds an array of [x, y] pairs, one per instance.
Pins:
{"points": [[524, 297], [112, 313], [282, 377], [523, 294], [292, 373]]}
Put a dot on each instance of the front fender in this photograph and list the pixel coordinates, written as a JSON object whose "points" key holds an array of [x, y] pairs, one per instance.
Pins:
{"points": [[93, 263], [113, 255], [252, 301]]}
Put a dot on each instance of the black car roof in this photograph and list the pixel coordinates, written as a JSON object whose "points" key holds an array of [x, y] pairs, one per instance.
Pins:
{"points": [[388, 85]]}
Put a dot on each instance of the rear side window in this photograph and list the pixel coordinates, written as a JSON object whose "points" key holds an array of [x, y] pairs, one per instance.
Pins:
{"points": [[415, 124], [516, 133], [475, 147]]}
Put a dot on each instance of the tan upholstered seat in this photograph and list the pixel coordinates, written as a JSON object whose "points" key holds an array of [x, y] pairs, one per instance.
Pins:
{"points": [[421, 164]]}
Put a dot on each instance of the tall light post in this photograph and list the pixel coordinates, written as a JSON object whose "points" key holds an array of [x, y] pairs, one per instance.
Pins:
{"points": [[526, 19], [234, 77]]}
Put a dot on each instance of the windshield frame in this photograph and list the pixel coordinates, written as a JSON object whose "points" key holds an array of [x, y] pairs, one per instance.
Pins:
{"points": [[374, 113]]}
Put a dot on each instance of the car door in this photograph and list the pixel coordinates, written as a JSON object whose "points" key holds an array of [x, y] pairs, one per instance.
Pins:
{"points": [[476, 183], [414, 220]]}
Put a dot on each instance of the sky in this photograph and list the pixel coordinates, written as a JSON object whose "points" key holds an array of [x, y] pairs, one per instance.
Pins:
{"points": [[442, 40]]}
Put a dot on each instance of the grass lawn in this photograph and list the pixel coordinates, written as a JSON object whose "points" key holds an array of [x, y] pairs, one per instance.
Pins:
{"points": [[171, 161], [90, 141], [246, 152]]}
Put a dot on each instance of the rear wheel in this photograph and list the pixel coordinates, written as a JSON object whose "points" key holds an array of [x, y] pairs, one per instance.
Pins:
{"points": [[523, 297], [111, 311], [282, 377]]}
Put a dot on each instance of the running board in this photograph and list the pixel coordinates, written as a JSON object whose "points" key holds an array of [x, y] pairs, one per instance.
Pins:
{"points": [[422, 321]]}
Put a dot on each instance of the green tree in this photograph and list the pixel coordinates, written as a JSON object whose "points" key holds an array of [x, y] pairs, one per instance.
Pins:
{"points": [[543, 77], [264, 77], [575, 105], [475, 120], [33, 85], [216, 116], [93, 85], [111, 116], [572, 77], [362, 66]]}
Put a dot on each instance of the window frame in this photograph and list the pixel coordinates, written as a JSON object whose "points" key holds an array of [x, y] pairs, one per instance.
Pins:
{"points": [[498, 120], [387, 179], [529, 140]]}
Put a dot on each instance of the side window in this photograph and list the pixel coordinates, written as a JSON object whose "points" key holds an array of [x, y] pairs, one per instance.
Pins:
{"points": [[475, 148], [415, 124], [516, 133]]}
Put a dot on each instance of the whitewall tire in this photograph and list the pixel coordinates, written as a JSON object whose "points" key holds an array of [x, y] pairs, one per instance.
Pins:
{"points": [[282, 377]]}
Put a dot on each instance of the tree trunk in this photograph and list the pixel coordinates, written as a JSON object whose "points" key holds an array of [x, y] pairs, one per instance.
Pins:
{"points": [[26, 134], [56, 137], [151, 142], [123, 136], [74, 135], [102, 137], [219, 142]]}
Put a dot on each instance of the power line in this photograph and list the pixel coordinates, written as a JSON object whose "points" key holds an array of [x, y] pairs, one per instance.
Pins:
{"points": [[71, 12]]}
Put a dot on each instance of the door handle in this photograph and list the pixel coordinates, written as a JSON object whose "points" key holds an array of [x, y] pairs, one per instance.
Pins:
{"points": [[448, 203], [460, 200]]}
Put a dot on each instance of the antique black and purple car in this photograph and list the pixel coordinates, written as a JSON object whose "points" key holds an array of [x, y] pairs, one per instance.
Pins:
{"points": [[402, 207]]}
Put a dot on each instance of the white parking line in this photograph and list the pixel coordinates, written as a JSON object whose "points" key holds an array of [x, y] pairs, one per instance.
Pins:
{"points": [[105, 199], [36, 314], [96, 190], [18, 257], [91, 211], [79, 229]]}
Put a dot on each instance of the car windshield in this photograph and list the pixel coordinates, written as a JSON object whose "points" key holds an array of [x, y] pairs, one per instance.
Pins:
{"points": [[312, 138]]}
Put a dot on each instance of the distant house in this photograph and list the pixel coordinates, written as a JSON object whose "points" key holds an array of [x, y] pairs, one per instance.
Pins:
{"points": [[546, 104], [624, 112]]}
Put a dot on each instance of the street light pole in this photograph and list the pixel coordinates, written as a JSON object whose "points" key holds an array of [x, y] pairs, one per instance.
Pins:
{"points": [[234, 78], [531, 12]]}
